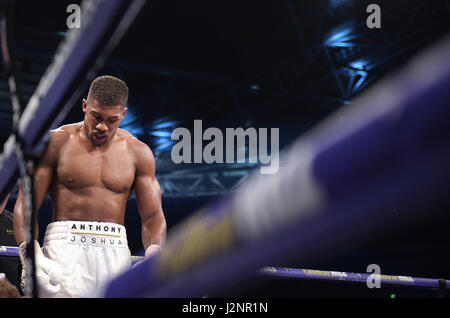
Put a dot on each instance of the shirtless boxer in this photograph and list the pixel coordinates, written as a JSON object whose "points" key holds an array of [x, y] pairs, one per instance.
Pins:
{"points": [[89, 170]]}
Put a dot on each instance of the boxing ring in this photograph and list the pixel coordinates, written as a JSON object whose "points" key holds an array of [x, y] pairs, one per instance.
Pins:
{"points": [[332, 193], [316, 275]]}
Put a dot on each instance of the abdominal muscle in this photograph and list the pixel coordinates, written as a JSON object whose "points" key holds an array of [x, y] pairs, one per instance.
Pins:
{"points": [[89, 204]]}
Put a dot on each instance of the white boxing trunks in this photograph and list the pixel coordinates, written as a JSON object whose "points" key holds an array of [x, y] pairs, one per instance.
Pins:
{"points": [[89, 253]]}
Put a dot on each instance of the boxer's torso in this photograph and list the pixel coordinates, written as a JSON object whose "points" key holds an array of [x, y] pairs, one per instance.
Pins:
{"points": [[91, 183]]}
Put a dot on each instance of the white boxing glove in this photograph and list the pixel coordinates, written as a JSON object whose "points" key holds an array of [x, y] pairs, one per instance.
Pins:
{"points": [[48, 273], [152, 249]]}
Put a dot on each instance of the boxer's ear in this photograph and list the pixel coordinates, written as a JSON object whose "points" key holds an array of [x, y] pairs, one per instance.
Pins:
{"points": [[124, 111], [84, 105]]}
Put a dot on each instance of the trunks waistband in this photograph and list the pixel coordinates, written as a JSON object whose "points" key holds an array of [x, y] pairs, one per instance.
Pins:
{"points": [[86, 233]]}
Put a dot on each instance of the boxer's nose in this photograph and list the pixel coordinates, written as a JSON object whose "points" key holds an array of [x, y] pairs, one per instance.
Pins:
{"points": [[101, 127]]}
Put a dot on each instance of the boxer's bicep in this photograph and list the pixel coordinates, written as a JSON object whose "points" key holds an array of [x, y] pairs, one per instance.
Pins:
{"points": [[42, 180], [43, 175], [148, 196], [19, 217]]}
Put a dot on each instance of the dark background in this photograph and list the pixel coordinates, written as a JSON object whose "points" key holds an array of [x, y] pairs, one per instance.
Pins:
{"points": [[250, 63]]}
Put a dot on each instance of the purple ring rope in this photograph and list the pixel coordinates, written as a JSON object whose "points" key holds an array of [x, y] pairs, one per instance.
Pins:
{"points": [[14, 251], [310, 274], [9, 251]]}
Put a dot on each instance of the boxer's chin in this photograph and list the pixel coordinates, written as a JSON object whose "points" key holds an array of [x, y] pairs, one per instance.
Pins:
{"points": [[97, 142]]}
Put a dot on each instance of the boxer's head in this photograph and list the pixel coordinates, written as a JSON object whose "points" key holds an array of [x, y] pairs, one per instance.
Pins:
{"points": [[104, 108]]}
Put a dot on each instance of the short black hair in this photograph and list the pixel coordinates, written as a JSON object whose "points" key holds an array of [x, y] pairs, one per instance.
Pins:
{"points": [[109, 90]]}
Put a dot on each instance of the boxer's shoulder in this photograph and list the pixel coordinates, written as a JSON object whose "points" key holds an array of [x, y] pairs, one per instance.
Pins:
{"points": [[125, 135], [137, 146], [60, 137], [141, 151], [63, 133]]}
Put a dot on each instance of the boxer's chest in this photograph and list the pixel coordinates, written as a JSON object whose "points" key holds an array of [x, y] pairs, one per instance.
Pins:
{"points": [[79, 167]]}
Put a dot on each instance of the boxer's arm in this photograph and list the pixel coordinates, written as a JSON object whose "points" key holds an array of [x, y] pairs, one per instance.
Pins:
{"points": [[5, 201], [148, 196], [19, 218], [43, 176]]}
